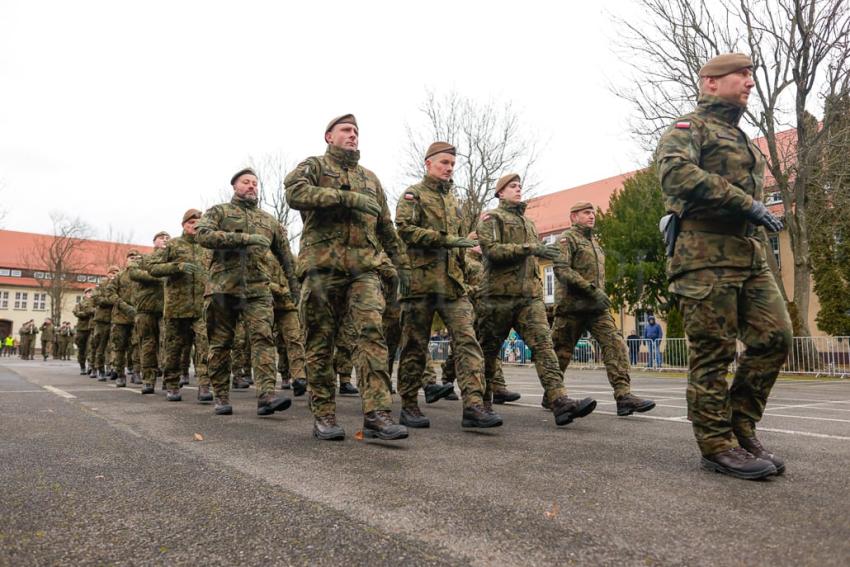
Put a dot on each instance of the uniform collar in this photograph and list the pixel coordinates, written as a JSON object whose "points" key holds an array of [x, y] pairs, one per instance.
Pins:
{"points": [[438, 184], [720, 108], [585, 231], [347, 159], [190, 238], [240, 202], [519, 208]]}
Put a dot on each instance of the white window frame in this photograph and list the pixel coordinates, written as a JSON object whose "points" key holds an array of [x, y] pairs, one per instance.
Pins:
{"points": [[21, 300]]}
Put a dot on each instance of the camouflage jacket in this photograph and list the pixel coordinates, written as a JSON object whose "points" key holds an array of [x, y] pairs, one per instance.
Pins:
{"points": [[279, 285], [335, 237], [580, 269], [119, 292], [507, 238], [66, 332], [184, 292], [103, 307], [711, 172], [237, 269], [28, 329], [148, 291], [426, 214], [47, 331], [473, 273], [389, 281], [84, 311]]}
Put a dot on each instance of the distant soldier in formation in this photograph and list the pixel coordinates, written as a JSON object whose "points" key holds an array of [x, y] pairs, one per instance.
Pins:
{"points": [[581, 305], [84, 311], [66, 336], [184, 264], [712, 176], [47, 332], [119, 292], [102, 324], [346, 226], [28, 333], [239, 236], [149, 299], [428, 220]]}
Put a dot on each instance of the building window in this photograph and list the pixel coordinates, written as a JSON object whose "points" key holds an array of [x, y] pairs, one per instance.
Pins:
{"points": [[549, 284], [38, 275], [550, 239], [39, 302], [21, 298], [4, 299], [16, 273], [81, 279], [93, 279], [5, 272], [774, 246]]}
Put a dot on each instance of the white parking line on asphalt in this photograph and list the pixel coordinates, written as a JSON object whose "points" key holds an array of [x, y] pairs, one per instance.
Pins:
{"points": [[58, 392], [22, 392], [806, 417], [810, 406], [805, 433]]}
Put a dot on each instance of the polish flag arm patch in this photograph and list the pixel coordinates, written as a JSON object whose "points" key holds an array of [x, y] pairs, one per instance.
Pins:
{"points": [[683, 125], [409, 196]]}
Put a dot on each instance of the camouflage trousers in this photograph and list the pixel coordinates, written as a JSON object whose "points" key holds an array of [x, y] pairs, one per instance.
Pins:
{"points": [[119, 343], [568, 328], [290, 339], [497, 316], [326, 300], [392, 332], [224, 312], [100, 339], [417, 316], [46, 349], [718, 308], [26, 341], [449, 370], [180, 334], [147, 329], [240, 354], [81, 339], [344, 350]]}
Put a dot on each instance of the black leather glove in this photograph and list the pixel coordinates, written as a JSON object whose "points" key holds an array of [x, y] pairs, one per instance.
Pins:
{"points": [[761, 216]]}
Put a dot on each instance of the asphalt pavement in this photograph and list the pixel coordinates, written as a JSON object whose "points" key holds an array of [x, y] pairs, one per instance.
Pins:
{"points": [[94, 475]]}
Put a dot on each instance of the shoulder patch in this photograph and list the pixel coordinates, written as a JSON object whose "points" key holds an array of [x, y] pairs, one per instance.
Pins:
{"points": [[409, 196], [485, 216], [683, 125], [563, 240]]}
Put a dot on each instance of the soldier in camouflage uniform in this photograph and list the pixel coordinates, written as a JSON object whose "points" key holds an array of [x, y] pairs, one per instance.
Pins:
{"points": [[392, 312], [512, 296], [712, 176], [184, 263], [428, 220], [83, 311], [47, 332], [240, 358], [149, 298], [581, 305], [119, 292], [287, 324], [241, 236], [346, 226], [102, 325], [66, 336]]}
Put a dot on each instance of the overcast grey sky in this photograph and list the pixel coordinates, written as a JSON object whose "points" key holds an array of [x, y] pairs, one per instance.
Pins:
{"points": [[128, 113]]}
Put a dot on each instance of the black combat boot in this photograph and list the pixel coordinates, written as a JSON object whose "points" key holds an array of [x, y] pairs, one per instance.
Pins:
{"points": [[567, 409], [286, 384], [434, 392], [502, 396], [481, 416], [299, 387], [347, 389], [267, 404], [239, 383], [204, 394], [756, 449], [113, 375], [184, 380], [453, 395], [326, 428], [83, 371], [628, 404], [92, 372], [412, 416], [101, 375], [121, 381], [222, 406], [147, 388], [173, 395], [739, 463], [380, 425]]}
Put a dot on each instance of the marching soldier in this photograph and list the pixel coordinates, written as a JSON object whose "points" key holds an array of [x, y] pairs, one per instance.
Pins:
{"points": [[149, 298], [712, 176], [119, 292]]}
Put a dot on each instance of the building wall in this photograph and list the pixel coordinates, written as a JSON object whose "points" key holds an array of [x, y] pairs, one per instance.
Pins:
{"points": [[12, 318]]}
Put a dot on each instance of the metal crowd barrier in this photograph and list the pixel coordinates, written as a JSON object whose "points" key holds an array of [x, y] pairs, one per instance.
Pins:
{"points": [[818, 356]]}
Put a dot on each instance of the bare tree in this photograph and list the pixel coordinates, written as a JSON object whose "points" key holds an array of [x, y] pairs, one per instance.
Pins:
{"points": [[114, 253], [490, 142], [271, 171], [801, 55], [58, 260]]}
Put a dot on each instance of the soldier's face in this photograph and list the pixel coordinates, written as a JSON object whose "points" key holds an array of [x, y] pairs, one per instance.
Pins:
{"points": [[440, 166], [734, 87], [586, 217], [189, 225], [345, 136], [160, 241], [512, 193], [246, 187]]}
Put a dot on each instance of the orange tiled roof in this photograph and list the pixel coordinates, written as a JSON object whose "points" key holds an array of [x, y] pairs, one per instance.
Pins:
{"points": [[551, 213], [89, 256]]}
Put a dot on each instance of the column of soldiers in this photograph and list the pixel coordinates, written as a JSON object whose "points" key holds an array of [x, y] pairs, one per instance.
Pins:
{"points": [[363, 282]]}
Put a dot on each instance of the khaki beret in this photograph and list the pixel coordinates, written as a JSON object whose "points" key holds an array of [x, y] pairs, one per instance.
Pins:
{"points": [[240, 173], [725, 64], [344, 119], [191, 214], [440, 148], [161, 233], [505, 180], [580, 206]]}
